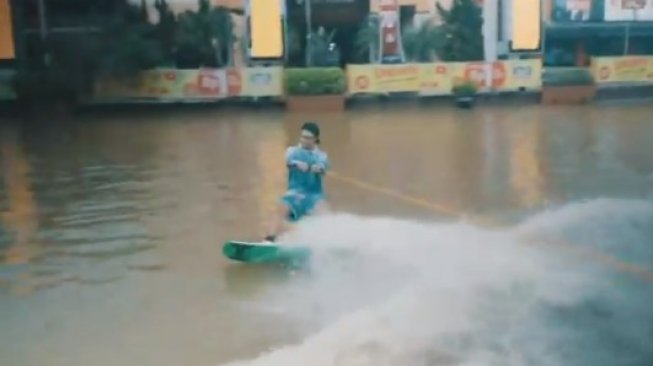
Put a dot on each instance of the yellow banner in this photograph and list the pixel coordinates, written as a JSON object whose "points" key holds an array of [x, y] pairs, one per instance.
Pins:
{"points": [[195, 84], [360, 79], [510, 75], [425, 79], [623, 69], [383, 78], [262, 81], [174, 84], [210, 83], [523, 74], [435, 79], [397, 78], [160, 83], [439, 78]]}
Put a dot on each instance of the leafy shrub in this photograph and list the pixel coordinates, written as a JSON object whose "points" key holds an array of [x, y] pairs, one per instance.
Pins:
{"points": [[465, 89], [315, 81], [567, 76]]}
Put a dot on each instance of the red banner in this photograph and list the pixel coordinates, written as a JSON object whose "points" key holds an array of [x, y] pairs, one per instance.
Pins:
{"points": [[391, 47]]}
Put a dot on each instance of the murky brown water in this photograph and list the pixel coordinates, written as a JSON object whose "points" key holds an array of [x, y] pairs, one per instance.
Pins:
{"points": [[111, 226]]}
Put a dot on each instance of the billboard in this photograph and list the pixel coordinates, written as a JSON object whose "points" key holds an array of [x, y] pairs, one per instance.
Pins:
{"points": [[266, 30], [578, 10], [526, 25], [628, 10], [7, 51], [629, 69], [193, 85]]}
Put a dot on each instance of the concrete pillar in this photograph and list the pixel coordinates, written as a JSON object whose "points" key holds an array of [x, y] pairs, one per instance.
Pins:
{"points": [[490, 41]]}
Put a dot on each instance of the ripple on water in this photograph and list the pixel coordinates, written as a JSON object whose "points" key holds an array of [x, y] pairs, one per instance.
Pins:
{"points": [[89, 229]]}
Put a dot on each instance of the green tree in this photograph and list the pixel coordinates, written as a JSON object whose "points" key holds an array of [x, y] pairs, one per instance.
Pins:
{"points": [[423, 43], [294, 46], [165, 30], [204, 37], [463, 24], [226, 37], [114, 39], [320, 48], [366, 43], [129, 42]]}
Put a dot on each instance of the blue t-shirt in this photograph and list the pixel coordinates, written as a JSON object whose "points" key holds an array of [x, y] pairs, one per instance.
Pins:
{"points": [[306, 182]]}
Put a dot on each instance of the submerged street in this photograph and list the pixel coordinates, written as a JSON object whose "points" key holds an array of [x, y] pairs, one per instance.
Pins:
{"points": [[496, 236]]}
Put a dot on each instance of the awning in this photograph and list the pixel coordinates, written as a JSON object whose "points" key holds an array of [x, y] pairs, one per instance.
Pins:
{"points": [[603, 29]]}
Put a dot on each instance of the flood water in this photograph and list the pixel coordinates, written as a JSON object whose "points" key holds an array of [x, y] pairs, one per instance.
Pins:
{"points": [[498, 236]]}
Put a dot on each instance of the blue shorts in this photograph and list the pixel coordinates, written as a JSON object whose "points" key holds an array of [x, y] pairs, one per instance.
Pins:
{"points": [[300, 205]]}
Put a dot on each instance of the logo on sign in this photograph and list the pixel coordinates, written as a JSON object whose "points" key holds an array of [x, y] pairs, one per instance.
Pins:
{"points": [[633, 4], [260, 78], [362, 82], [209, 82], [476, 72], [233, 82], [523, 72]]}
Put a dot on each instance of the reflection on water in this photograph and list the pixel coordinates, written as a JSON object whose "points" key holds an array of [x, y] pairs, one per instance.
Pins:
{"points": [[271, 162], [20, 218], [527, 169], [111, 225]]}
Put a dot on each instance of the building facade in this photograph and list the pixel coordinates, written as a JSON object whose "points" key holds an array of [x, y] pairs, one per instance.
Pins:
{"points": [[575, 30]]}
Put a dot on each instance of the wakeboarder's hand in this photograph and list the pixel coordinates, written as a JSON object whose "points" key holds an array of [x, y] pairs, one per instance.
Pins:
{"points": [[301, 166], [316, 168]]}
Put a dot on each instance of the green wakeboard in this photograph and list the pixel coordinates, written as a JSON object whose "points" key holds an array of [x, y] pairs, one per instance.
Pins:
{"points": [[258, 252]]}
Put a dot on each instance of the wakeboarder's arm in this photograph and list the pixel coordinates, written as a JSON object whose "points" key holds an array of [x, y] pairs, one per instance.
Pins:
{"points": [[292, 160], [323, 164]]}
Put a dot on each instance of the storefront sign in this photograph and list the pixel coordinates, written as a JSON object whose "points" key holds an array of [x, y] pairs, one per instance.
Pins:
{"points": [[623, 69], [628, 10]]}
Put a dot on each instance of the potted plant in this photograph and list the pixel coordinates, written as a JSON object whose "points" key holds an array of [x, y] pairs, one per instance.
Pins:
{"points": [[567, 85], [318, 88], [465, 93]]}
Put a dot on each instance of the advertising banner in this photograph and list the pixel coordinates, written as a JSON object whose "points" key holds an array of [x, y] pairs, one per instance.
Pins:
{"points": [[476, 72], [158, 83], [360, 79], [397, 78], [522, 74], [426, 79], [262, 81], [623, 69], [168, 84], [439, 78], [202, 84], [435, 79], [383, 78]]}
